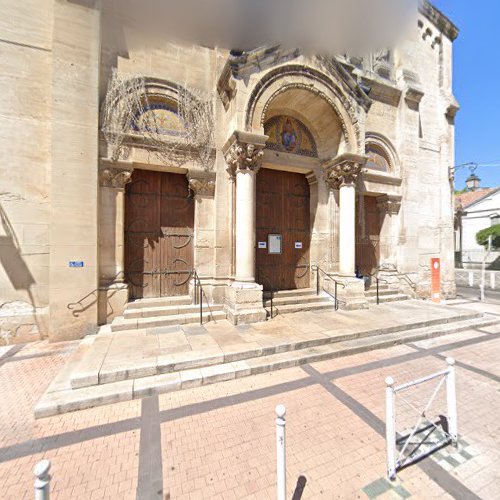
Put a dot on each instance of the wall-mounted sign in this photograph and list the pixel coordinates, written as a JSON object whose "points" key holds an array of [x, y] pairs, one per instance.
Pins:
{"points": [[262, 244], [76, 263], [274, 242], [298, 244]]}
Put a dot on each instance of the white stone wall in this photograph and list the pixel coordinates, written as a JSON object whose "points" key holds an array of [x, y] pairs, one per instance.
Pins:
{"points": [[25, 162]]}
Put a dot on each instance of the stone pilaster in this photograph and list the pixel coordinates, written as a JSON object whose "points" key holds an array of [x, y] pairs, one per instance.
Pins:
{"points": [[202, 186], [389, 206], [113, 291], [244, 153]]}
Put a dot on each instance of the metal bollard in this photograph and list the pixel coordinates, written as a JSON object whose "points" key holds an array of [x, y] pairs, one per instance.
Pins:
{"points": [[42, 481], [280, 453], [451, 398], [390, 428]]}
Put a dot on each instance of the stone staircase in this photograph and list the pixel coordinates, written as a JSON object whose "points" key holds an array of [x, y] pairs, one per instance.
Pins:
{"points": [[292, 301], [386, 294], [85, 384], [166, 311]]}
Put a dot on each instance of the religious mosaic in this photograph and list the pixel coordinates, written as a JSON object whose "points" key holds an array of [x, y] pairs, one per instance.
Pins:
{"points": [[290, 135], [160, 117], [377, 159]]}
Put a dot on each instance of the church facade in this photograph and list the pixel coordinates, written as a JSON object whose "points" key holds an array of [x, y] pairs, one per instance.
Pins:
{"points": [[137, 169]]}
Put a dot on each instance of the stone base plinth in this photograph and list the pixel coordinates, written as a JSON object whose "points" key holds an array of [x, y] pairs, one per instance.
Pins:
{"points": [[112, 301], [244, 304], [352, 295]]}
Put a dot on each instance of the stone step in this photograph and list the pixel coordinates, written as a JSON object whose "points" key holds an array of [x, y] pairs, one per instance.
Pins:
{"points": [[303, 299], [179, 300], [300, 307], [152, 312], [120, 323], [88, 374], [372, 292], [300, 292], [389, 298], [63, 401]]}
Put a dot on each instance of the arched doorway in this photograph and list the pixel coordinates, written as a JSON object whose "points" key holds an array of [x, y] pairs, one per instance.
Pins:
{"points": [[159, 222]]}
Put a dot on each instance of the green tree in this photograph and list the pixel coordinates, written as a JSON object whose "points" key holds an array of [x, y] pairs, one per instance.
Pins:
{"points": [[483, 235]]}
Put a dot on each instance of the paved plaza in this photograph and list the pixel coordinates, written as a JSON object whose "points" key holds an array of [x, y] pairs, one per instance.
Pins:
{"points": [[218, 441]]}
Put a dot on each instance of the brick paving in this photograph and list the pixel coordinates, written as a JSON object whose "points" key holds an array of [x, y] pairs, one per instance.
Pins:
{"points": [[218, 441]]}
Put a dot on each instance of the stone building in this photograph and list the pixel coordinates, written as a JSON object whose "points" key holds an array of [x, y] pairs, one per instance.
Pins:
{"points": [[340, 163]]}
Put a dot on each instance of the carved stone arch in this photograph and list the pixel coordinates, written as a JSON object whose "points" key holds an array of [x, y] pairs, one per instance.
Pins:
{"points": [[385, 147], [294, 76]]}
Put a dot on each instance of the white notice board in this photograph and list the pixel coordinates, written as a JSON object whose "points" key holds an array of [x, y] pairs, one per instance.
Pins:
{"points": [[274, 243]]}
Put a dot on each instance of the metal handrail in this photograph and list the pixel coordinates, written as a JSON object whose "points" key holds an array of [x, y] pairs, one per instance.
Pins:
{"points": [[271, 290], [199, 293], [377, 280], [318, 270]]}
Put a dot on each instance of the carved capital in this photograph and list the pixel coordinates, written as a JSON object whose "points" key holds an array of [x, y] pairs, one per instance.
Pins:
{"points": [[343, 170], [114, 177], [244, 152], [389, 204], [201, 183]]}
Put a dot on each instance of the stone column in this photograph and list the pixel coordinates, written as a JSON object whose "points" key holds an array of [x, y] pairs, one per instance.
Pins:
{"points": [[389, 206], [113, 291], [341, 174], [243, 153]]}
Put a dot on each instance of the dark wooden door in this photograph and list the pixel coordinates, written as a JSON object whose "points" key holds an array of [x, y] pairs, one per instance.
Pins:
{"points": [[159, 221], [283, 208], [367, 236]]}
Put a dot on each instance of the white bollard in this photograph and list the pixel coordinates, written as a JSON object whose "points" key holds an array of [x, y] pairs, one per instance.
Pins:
{"points": [[492, 280], [42, 481], [390, 428], [280, 453], [471, 279], [451, 398]]}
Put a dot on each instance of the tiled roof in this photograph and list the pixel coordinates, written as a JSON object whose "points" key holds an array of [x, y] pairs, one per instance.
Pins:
{"points": [[466, 199]]}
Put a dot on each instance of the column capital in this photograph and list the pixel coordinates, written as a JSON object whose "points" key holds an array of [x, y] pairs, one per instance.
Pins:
{"points": [[114, 177], [202, 183], [389, 204], [244, 152], [343, 170]]}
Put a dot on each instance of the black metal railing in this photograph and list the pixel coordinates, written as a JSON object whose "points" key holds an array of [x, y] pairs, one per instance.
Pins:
{"points": [[327, 277], [377, 282], [199, 293], [270, 290]]}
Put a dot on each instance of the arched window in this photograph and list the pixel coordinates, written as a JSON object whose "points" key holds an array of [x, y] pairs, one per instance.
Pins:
{"points": [[377, 158], [159, 116]]}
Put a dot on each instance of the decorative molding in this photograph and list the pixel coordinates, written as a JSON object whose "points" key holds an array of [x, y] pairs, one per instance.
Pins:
{"points": [[115, 177], [244, 151], [343, 170], [389, 204], [439, 20], [201, 183]]}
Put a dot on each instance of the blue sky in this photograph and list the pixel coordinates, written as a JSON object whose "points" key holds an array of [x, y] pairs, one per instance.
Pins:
{"points": [[476, 85]]}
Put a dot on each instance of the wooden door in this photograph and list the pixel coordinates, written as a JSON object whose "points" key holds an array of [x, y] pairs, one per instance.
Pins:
{"points": [[367, 236], [283, 208], [159, 220]]}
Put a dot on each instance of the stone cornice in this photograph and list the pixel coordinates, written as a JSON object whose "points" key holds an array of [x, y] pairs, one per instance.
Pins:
{"points": [[343, 170], [114, 177], [244, 151], [201, 183], [436, 17]]}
